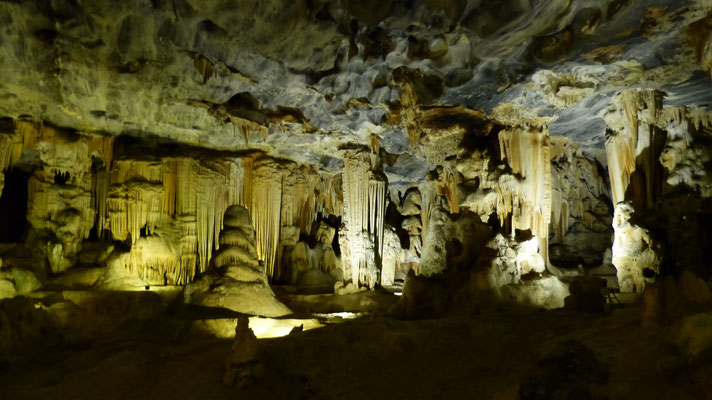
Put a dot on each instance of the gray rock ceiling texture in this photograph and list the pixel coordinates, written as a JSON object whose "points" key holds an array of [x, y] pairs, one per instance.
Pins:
{"points": [[321, 74]]}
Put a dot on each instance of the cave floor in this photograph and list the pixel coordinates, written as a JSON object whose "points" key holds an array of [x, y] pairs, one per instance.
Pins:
{"points": [[484, 355]]}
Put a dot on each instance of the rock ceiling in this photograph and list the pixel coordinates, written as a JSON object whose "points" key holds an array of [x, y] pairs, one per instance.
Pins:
{"points": [[304, 78]]}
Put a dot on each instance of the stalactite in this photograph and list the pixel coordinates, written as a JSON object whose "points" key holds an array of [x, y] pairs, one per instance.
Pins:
{"points": [[409, 101], [100, 194], [377, 209], [450, 178], [248, 179], [526, 202], [364, 212], [265, 208], [247, 128], [355, 186], [5, 157], [204, 66], [102, 147], [427, 192], [181, 191], [635, 145]]}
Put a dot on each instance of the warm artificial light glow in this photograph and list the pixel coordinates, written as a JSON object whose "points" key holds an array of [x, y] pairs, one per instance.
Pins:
{"points": [[342, 315], [264, 328]]}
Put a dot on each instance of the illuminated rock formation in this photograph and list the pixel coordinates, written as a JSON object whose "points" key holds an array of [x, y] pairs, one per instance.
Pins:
{"points": [[635, 254], [177, 199], [656, 161], [364, 211], [62, 202], [397, 141], [238, 281]]}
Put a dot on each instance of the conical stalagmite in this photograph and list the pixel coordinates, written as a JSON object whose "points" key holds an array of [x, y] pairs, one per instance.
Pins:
{"points": [[237, 280]]}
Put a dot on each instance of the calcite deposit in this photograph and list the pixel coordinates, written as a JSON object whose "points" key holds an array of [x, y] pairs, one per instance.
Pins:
{"points": [[237, 280], [182, 164]]}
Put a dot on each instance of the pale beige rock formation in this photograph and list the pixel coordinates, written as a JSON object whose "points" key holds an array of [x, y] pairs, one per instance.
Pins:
{"points": [[364, 210], [634, 251], [237, 280]]}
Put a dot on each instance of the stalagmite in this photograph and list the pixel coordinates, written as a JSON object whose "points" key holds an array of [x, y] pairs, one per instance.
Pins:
{"points": [[635, 254], [237, 282]]}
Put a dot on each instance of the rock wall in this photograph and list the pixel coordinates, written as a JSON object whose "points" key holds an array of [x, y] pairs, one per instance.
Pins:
{"points": [[62, 197], [580, 229]]}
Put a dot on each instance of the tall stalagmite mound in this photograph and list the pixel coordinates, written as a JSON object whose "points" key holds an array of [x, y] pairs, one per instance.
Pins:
{"points": [[237, 280]]}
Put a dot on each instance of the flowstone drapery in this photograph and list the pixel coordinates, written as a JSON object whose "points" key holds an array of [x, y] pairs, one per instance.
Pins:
{"points": [[364, 212]]}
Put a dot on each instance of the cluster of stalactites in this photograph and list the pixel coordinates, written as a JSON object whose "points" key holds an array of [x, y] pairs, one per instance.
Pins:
{"points": [[307, 194], [280, 194], [246, 128], [57, 150], [154, 261], [633, 144], [265, 206], [576, 186], [527, 201], [179, 197], [686, 157], [79, 160], [180, 193], [364, 212], [648, 144]]}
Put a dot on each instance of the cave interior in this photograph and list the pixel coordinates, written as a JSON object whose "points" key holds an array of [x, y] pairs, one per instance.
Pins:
{"points": [[317, 199]]}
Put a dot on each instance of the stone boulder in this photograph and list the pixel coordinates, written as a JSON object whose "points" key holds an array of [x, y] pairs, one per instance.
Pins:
{"points": [[570, 371], [694, 290], [23, 325], [692, 335], [586, 294], [667, 300], [548, 292]]}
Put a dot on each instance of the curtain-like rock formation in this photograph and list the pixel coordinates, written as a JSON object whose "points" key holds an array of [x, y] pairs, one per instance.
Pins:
{"points": [[177, 198], [167, 207], [364, 211]]}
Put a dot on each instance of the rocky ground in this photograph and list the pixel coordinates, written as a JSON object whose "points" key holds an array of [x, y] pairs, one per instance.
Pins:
{"points": [[503, 353]]}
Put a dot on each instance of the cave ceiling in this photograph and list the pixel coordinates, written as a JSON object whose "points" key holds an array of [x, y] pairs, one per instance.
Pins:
{"points": [[305, 78]]}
